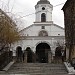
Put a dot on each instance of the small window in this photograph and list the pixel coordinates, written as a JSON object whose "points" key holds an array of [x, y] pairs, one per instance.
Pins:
{"points": [[43, 27], [58, 34]]}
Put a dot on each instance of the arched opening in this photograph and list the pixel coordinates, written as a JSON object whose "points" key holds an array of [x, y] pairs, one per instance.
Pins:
{"points": [[58, 52], [43, 17], [42, 52], [30, 55], [19, 54]]}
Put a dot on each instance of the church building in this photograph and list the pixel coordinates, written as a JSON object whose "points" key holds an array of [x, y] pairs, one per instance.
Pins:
{"points": [[43, 35]]}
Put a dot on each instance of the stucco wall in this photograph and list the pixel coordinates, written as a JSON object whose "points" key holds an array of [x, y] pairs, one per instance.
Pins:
{"points": [[32, 42], [47, 11], [52, 30]]}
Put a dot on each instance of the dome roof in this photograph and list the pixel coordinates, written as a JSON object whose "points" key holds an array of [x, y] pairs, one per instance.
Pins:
{"points": [[43, 2]]}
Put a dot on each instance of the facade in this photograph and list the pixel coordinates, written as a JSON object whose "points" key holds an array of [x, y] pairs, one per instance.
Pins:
{"points": [[43, 35], [69, 18]]}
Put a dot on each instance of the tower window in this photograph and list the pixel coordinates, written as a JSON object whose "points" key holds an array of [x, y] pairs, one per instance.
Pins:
{"points": [[43, 8], [43, 17], [43, 27]]}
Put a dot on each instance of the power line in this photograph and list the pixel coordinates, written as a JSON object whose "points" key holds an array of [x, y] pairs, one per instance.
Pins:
{"points": [[58, 5], [40, 11], [27, 15]]}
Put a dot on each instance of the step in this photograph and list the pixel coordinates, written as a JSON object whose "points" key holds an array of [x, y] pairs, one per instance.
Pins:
{"points": [[37, 69]]}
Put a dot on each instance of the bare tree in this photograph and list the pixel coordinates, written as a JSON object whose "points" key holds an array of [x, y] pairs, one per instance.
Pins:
{"points": [[8, 31]]}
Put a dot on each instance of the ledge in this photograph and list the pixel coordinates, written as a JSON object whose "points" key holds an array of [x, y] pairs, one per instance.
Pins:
{"points": [[69, 68], [41, 23], [8, 66]]}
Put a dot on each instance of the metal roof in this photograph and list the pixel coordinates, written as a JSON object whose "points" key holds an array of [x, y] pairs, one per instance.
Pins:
{"points": [[43, 2]]}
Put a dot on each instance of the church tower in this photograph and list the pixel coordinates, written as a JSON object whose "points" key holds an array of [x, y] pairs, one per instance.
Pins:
{"points": [[43, 11]]}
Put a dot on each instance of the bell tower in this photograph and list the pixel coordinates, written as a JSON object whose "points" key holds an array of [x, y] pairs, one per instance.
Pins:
{"points": [[43, 11]]}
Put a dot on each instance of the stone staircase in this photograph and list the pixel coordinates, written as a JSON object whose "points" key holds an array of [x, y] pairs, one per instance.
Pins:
{"points": [[37, 69]]}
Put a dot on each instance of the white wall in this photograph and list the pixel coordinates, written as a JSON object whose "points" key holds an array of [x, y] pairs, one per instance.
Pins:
{"points": [[32, 42], [53, 30], [47, 11]]}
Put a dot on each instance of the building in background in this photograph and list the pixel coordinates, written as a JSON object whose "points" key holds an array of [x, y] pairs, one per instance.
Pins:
{"points": [[69, 18]]}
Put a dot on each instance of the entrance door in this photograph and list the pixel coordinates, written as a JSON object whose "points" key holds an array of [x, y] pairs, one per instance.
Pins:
{"points": [[19, 54], [42, 52]]}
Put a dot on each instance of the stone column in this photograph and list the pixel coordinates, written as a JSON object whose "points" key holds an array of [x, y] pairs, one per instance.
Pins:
{"points": [[25, 56], [49, 57]]}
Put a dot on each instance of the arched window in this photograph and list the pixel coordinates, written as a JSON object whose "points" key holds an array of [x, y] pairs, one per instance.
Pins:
{"points": [[43, 17], [43, 33]]}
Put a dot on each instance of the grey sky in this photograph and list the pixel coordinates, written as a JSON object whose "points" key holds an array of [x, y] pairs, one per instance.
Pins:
{"points": [[21, 8]]}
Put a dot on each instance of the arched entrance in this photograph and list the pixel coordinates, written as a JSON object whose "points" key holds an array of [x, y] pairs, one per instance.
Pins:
{"points": [[30, 55], [42, 52], [19, 54], [58, 52], [58, 55]]}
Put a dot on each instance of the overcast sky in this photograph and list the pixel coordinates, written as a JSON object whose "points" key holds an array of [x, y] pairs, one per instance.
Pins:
{"points": [[19, 8]]}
